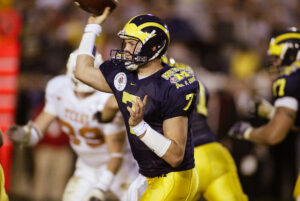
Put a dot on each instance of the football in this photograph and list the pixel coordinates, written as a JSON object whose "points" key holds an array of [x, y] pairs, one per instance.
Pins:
{"points": [[96, 7]]}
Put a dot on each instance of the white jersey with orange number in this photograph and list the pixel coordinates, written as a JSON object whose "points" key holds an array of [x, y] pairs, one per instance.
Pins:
{"points": [[76, 117]]}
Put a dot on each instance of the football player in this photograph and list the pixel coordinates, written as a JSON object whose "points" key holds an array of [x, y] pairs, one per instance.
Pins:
{"points": [[100, 147], [3, 195], [156, 102], [285, 49], [217, 172]]}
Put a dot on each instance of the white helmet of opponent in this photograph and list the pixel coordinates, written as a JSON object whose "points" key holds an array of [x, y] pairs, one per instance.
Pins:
{"points": [[71, 65]]}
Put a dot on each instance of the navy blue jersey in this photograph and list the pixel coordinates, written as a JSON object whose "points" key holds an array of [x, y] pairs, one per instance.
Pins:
{"points": [[201, 131], [288, 85], [171, 92]]}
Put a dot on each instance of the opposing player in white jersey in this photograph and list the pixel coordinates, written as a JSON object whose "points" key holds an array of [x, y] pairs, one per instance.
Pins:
{"points": [[101, 148]]}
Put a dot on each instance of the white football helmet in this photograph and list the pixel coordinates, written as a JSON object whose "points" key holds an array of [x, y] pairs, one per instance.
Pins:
{"points": [[71, 65]]}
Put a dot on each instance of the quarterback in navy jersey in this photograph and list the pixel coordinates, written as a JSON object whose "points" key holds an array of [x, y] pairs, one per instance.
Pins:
{"points": [[164, 99], [284, 113], [156, 101], [221, 185]]}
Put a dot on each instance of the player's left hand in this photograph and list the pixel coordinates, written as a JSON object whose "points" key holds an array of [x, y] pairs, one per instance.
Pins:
{"points": [[239, 130], [17, 134], [137, 111]]}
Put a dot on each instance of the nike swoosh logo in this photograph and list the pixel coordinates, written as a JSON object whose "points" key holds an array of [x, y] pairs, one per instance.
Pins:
{"points": [[132, 84]]}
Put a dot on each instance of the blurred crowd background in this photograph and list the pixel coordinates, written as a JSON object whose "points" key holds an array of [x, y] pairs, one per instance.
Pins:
{"points": [[225, 41]]}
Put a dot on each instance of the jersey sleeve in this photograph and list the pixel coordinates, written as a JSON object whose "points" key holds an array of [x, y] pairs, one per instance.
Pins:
{"points": [[109, 69], [180, 102], [286, 92], [50, 97], [104, 68]]}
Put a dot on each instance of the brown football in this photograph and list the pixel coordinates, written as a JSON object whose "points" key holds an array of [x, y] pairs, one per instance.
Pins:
{"points": [[96, 6]]}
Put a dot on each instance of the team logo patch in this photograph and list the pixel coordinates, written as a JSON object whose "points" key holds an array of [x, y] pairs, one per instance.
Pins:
{"points": [[120, 81], [174, 80]]}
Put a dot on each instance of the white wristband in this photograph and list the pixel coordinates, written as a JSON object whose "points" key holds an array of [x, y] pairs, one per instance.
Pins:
{"points": [[87, 44], [158, 143], [247, 133], [105, 180], [88, 39], [140, 128], [116, 155], [34, 133], [94, 28]]}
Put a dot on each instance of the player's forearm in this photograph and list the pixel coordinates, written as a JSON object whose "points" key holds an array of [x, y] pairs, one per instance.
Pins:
{"points": [[276, 129], [162, 146], [176, 129], [114, 164], [107, 114], [110, 110], [264, 135], [270, 134], [31, 133], [43, 121], [108, 117], [115, 145], [174, 155]]}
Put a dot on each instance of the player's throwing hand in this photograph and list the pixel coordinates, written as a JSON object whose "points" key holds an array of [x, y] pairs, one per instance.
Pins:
{"points": [[101, 18]]}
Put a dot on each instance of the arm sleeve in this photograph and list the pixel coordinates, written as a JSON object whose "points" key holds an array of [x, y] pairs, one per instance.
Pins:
{"points": [[107, 68], [179, 102], [286, 92]]}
